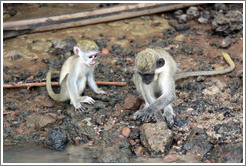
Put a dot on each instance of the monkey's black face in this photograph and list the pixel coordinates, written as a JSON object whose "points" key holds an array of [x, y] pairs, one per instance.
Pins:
{"points": [[147, 78]]}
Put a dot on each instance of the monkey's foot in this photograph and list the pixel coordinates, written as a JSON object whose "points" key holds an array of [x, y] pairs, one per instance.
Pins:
{"points": [[170, 119], [142, 114], [87, 99], [81, 108]]}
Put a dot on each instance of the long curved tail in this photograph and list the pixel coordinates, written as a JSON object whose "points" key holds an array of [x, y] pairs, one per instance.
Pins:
{"points": [[52, 94], [206, 73]]}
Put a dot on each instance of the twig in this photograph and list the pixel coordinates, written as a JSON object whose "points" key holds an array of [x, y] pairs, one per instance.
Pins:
{"points": [[29, 85], [7, 112]]}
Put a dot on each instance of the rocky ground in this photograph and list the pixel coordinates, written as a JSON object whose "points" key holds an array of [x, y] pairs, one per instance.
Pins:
{"points": [[209, 110]]}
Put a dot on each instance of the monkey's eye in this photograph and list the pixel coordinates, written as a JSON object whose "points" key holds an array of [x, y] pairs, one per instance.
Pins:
{"points": [[95, 55], [160, 63], [90, 56]]}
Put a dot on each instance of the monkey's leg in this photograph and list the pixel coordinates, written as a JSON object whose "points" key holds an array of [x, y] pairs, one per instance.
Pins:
{"points": [[169, 114]]}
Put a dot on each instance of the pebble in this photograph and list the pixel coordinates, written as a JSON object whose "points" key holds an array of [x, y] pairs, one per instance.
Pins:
{"points": [[192, 12], [126, 131], [139, 151], [182, 18], [220, 6], [178, 12], [16, 57], [105, 51], [226, 42], [157, 23], [202, 20], [129, 60]]}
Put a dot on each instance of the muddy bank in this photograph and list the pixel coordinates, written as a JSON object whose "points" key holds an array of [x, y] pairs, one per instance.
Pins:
{"points": [[209, 110]]}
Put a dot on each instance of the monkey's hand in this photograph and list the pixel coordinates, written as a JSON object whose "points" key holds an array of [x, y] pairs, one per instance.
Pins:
{"points": [[87, 99]]}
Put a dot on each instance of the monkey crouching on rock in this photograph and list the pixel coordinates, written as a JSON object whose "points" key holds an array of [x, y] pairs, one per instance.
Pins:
{"points": [[75, 71], [154, 78]]}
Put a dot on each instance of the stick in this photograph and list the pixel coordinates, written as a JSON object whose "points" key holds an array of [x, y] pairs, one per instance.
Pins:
{"points": [[29, 85], [88, 17]]}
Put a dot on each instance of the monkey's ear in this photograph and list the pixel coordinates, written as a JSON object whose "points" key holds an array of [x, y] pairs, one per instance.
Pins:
{"points": [[76, 50], [160, 62]]}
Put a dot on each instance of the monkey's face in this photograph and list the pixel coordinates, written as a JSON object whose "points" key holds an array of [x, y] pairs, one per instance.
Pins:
{"points": [[91, 58], [150, 76], [147, 78]]}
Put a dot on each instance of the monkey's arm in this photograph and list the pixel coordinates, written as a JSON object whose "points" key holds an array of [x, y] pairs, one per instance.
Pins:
{"points": [[159, 104], [205, 73], [73, 92], [93, 85]]}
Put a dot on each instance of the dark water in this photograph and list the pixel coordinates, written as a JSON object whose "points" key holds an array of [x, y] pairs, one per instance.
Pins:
{"points": [[33, 153]]}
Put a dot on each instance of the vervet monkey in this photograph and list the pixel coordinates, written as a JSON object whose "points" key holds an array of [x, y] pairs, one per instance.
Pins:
{"points": [[75, 71], [155, 76]]}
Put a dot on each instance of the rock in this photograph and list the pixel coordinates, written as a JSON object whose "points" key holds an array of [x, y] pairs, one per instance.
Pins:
{"points": [[182, 18], [47, 119], [229, 128], [220, 6], [129, 60], [179, 27], [115, 47], [63, 46], [197, 143], [41, 46], [156, 137], [100, 43], [112, 134], [229, 153], [178, 13], [157, 23], [16, 57], [135, 134], [116, 148], [56, 139], [116, 152], [226, 42], [140, 151], [181, 120], [126, 131], [225, 24], [240, 73], [42, 100], [200, 79], [192, 13], [202, 20], [179, 38], [132, 102]]}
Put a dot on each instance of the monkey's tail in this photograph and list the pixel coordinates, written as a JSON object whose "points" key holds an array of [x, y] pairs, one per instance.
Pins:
{"points": [[206, 73], [50, 91]]}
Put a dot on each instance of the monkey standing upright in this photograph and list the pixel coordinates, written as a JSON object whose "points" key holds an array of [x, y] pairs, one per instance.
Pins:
{"points": [[155, 76], [74, 73]]}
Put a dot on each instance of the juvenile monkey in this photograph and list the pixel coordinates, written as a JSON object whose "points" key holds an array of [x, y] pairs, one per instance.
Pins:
{"points": [[75, 71], [155, 76]]}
